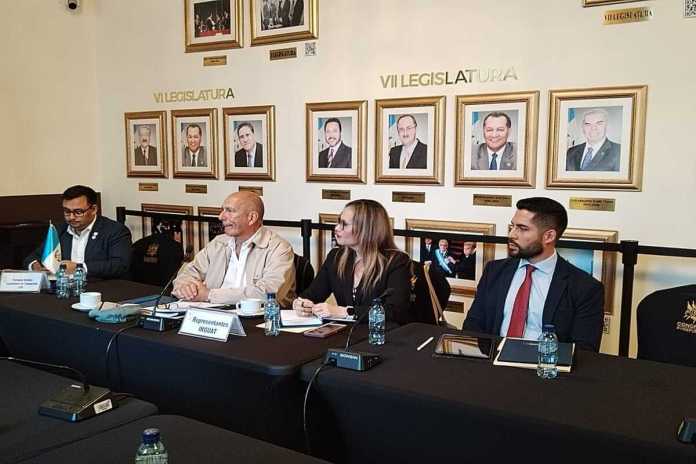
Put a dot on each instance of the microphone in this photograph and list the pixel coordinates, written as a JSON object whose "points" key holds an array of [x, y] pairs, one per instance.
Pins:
{"points": [[75, 402], [159, 323]]}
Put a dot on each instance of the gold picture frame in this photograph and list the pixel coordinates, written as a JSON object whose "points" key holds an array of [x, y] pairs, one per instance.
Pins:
{"points": [[207, 231], [146, 144], [185, 230], [588, 3], [187, 127], [426, 162], [212, 25], [611, 118], [253, 125], [590, 260], [460, 286], [346, 121], [273, 26], [487, 120]]}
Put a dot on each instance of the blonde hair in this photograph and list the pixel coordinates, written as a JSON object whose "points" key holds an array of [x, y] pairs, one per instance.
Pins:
{"points": [[375, 238]]}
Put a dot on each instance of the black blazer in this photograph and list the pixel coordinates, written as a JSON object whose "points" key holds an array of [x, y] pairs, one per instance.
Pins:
{"points": [[397, 277], [240, 158], [108, 250], [574, 304], [419, 159], [342, 157]]}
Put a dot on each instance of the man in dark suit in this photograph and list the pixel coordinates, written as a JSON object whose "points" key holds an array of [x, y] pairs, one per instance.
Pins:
{"points": [[251, 153], [145, 154], [412, 153], [102, 245], [598, 153], [337, 154], [194, 153], [496, 153], [516, 296], [466, 266], [284, 12], [427, 252], [297, 13]]}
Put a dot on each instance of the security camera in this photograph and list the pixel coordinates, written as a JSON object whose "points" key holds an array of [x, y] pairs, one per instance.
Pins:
{"points": [[72, 5]]}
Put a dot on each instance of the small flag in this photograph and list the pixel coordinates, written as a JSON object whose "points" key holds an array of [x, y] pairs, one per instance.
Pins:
{"points": [[51, 254]]}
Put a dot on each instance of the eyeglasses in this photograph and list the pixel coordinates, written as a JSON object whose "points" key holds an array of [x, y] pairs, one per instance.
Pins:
{"points": [[343, 224], [76, 212], [401, 130]]}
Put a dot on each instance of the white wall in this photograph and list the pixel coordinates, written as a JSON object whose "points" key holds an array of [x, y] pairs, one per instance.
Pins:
{"points": [[48, 98], [552, 45]]}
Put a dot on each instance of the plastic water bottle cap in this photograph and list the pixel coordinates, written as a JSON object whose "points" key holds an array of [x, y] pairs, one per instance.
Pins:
{"points": [[549, 328], [151, 436], [270, 295]]}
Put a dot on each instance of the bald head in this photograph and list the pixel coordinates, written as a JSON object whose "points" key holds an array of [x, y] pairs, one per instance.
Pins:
{"points": [[242, 215]]}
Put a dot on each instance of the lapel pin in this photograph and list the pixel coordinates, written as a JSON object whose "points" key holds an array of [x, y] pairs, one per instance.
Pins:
{"points": [[94, 235]]}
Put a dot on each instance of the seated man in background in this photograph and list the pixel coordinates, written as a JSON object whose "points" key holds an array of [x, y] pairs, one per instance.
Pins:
{"points": [[247, 261], [103, 246], [516, 296]]}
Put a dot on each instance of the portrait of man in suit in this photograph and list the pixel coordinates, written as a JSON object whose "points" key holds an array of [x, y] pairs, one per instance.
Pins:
{"points": [[412, 153], [194, 154], [496, 153], [443, 259], [427, 251], [250, 155], [597, 153], [337, 154], [145, 153]]}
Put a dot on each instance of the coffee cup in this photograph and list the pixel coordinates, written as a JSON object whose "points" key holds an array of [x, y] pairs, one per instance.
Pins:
{"points": [[90, 299], [249, 306]]}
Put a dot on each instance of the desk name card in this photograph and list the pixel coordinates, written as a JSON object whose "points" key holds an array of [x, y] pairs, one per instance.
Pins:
{"points": [[23, 281], [212, 325]]}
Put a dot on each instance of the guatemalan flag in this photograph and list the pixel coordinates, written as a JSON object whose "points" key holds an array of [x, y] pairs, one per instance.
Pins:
{"points": [[50, 256]]}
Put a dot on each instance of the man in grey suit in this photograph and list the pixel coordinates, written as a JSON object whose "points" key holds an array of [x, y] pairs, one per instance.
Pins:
{"points": [[598, 153], [145, 154], [251, 153], [194, 153], [412, 153], [496, 153], [337, 154]]}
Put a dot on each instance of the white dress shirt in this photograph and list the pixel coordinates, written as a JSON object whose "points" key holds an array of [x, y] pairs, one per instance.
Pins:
{"points": [[406, 153], [234, 277]]}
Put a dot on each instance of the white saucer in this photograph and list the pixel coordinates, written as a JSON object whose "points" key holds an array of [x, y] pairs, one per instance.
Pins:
{"points": [[258, 313], [86, 309]]}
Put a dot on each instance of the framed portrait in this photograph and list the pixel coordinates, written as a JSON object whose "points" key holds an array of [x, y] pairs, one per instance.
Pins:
{"points": [[599, 264], [181, 231], [213, 24], [597, 138], [277, 21], [410, 140], [146, 145], [249, 142], [209, 230], [461, 261], [336, 141], [194, 143], [587, 3], [497, 139]]}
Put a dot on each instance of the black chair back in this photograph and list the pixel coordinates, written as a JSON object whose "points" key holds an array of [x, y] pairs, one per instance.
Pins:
{"points": [[304, 273], [155, 259]]}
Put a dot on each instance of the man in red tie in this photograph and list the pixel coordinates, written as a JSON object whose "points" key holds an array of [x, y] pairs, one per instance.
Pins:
{"points": [[534, 286]]}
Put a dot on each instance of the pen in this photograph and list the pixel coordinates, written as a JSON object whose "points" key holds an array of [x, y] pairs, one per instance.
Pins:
{"points": [[422, 345]]}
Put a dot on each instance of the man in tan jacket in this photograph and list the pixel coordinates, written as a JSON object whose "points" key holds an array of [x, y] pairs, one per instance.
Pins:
{"points": [[246, 261]]}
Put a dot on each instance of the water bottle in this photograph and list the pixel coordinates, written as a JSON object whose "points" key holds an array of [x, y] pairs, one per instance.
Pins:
{"points": [[80, 280], [151, 450], [548, 353], [272, 316], [376, 319], [62, 282]]}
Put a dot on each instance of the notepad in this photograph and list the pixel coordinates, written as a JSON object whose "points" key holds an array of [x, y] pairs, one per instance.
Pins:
{"points": [[518, 352], [289, 318]]}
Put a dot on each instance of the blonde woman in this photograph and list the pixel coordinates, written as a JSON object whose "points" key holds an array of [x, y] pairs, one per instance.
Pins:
{"points": [[364, 265]]}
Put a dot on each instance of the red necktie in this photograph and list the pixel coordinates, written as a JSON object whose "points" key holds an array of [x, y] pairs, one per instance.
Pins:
{"points": [[519, 308]]}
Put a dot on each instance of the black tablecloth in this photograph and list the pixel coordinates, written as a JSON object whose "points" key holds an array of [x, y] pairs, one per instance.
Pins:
{"points": [[24, 433], [417, 408], [249, 384], [186, 441]]}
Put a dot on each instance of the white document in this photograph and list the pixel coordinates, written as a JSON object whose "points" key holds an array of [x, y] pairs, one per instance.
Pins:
{"points": [[289, 318]]}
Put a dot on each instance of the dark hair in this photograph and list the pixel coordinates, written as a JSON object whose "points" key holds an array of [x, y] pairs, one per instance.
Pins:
{"points": [[195, 126], [415, 123], [77, 191], [340, 129], [245, 124], [548, 213], [498, 114]]}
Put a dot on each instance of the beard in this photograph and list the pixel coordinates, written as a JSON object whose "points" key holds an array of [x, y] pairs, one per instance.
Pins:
{"points": [[527, 252]]}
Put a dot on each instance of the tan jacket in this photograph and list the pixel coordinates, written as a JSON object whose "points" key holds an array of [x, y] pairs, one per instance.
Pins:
{"points": [[269, 268]]}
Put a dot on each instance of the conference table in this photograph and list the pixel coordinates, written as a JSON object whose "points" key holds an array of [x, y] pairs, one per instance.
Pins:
{"points": [[25, 434], [249, 384], [186, 441], [414, 407]]}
